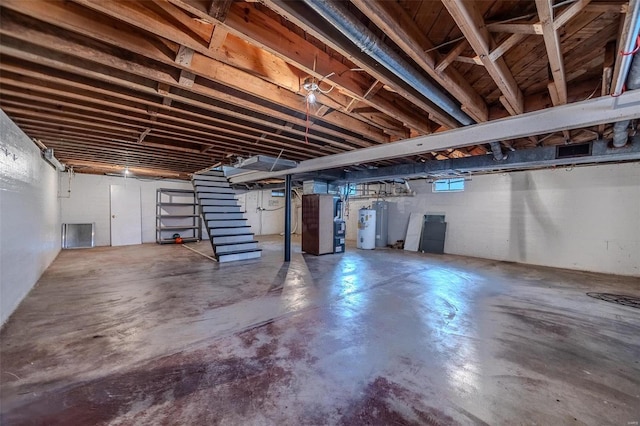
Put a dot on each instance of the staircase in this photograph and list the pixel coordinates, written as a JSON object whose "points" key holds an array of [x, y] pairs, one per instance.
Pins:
{"points": [[230, 235]]}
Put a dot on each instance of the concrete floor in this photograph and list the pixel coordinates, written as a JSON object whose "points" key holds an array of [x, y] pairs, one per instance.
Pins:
{"points": [[160, 335]]}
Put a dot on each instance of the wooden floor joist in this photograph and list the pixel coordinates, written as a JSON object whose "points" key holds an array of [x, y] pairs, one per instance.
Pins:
{"points": [[217, 79]]}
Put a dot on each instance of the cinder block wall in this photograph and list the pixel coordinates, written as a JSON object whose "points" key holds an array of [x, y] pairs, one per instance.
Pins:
{"points": [[585, 218], [89, 202], [29, 215]]}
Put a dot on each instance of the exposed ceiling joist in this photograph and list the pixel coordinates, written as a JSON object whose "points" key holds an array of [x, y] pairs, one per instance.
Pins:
{"points": [[198, 64], [521, 159], [552, 43], [213, 80], [470, 21], [581, 114], [294, 12], [406, 34], [251, 25]]}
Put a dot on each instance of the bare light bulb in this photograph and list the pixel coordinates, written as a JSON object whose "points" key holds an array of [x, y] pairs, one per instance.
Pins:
{"points": [[311, 98]]}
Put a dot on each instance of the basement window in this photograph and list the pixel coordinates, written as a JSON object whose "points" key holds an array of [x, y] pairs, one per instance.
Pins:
{"points": [[448, 185], [277, 193]]}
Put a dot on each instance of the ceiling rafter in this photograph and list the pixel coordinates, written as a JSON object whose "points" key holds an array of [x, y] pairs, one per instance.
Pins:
{"points": [[57, 61], [253, 26], [471, 23], [209, 68], [47, 84], [406, 34], [180, 85], [552, 44], [205, 59], [374, 71]]}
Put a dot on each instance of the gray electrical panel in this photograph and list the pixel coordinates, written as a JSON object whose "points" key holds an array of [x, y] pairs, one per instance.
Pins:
{"points": [[382, 222]]}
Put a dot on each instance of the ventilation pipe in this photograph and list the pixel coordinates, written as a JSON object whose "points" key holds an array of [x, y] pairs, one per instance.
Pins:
{"points": [[496, 149], [336, 14], [358, 33], [620, 132]]}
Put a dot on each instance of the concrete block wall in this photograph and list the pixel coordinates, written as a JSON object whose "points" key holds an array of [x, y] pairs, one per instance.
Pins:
{"points": [[29, 215], [89, 202], [269, 221], [585, 218]]}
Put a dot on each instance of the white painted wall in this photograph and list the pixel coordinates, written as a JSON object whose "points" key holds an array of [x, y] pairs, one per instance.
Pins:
{"points": [[585, 218], [271, 220], [29, 215], [89, 201]]}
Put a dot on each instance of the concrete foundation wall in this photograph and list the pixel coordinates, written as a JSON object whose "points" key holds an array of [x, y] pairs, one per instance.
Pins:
{"points": [[585, 218], [89, 202], [29, 215], [269, 221]]}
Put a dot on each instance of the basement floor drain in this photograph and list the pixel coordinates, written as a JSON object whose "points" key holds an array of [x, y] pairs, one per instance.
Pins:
{"points": [[620, 299]]}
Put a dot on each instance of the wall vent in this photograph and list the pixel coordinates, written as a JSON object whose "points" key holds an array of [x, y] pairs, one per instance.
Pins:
{"points": [[573, 150]]}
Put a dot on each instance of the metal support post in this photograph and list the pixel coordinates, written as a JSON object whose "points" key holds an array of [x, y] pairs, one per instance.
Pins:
{"points": [[287, 219]]}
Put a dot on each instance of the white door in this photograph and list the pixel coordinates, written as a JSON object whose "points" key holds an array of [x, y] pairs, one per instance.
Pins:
{"points": [[126, 215]]}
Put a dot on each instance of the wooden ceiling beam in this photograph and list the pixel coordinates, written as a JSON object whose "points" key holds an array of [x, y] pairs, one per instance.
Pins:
{"points": [[156, 152], [58, 62], [608, 6], [452, 55], [82, 139], [375, 71], [412, 40], [139, 16], [506, 45], [81, 130], [564, 17], [24, 117], [607, 75], [136, 14], [67, 15], [53, 117], [471, 23], [129, 162], [267, 145], [218, 37], [513, 28], [554, 52], [249, 24], [219, 9], [101, 168], [172, 114]]}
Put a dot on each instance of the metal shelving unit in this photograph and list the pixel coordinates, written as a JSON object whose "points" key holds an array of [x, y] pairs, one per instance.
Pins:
{"points": [[177, 212]]}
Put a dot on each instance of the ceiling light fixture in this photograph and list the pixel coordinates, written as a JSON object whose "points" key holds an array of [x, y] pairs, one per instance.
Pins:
{"points": [[311, 98], [312, 86]]}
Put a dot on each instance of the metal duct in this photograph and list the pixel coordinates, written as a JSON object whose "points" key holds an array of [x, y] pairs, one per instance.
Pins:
{"points": [[496, 149], [631, 27], [338, 16], [620, 133]]}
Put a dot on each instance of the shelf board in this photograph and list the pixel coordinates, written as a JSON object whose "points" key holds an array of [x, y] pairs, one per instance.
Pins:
{"points": [[175, 216], [175, 191], [172, 240], [175, 228], [176, 204]]}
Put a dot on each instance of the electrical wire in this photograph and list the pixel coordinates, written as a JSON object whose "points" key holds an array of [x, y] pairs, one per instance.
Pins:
{"points": [[594, 91], [505, 21], [306, 131]]}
